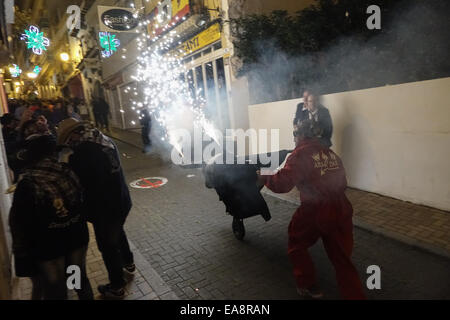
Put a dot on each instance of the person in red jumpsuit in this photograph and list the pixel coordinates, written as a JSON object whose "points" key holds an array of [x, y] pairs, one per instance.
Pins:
{"points": [[325, 212]]}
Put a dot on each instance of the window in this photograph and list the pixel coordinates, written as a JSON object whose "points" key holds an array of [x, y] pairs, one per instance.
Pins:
{"points": [[211, 87], [199, 82], [191, 83]]}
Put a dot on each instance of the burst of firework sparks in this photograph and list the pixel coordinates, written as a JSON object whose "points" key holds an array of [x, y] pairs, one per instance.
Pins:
{"points": [[209, 129], [165, 92]]}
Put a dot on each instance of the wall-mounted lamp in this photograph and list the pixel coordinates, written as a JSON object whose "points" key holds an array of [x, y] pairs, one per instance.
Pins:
{"points": [[201, 21], [64, 56]]}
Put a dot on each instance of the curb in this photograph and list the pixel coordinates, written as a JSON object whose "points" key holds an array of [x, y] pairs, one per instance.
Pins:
{"points": [[158, 285], [359, 223]]}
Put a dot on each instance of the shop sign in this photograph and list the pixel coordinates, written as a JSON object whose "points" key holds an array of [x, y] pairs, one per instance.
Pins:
{"points": [[203, 39], [114, 19]]}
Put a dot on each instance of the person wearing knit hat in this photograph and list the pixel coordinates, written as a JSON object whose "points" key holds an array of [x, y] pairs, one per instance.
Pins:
{"points": [[95, 159], [46, 221]]}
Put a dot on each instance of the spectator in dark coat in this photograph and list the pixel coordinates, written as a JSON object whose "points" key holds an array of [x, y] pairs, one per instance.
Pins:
{"points": [[312, 110], [10, 132], [301, 107], [95, 159], [15, 146], [101, 112], [146, 123], [46, 220], [58, 114], [96, 112]]}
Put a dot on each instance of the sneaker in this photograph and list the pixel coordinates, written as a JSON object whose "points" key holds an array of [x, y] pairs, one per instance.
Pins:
{"points": [[131, 268], [313, 292], [108, 292]]}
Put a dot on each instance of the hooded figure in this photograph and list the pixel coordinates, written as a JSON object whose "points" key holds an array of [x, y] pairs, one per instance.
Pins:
{"points": [[95, 159], [11, 138], [47, 222]]}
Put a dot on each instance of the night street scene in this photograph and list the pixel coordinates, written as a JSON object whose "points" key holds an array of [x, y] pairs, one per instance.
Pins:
{"points": [[235, 157]]}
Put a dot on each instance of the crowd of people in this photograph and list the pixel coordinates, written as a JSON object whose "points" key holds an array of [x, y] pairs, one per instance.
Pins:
{"points": [[66, 173]]}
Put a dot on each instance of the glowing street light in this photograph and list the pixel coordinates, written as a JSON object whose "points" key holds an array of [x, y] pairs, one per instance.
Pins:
{"points": [[64, 56], [32, 75]]}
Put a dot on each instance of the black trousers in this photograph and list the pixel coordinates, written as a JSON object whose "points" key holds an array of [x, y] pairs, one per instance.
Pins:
{"points": [[145, 134], [104, 120], [112, 242], [50, 283]]}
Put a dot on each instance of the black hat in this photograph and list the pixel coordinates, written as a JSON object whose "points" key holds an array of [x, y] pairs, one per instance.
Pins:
{"points": [[37, 147], [7, 118]]}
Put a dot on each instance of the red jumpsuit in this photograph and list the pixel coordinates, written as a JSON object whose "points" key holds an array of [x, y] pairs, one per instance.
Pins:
{"points": [[325, 212]]}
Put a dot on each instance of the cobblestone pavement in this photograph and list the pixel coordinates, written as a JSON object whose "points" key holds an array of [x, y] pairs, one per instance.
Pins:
{"points": [[182, 230], [184, 247], [145, 284]]}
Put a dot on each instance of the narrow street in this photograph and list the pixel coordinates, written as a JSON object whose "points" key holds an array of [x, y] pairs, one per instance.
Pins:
{"points": [[357, 91], [183, 232]]}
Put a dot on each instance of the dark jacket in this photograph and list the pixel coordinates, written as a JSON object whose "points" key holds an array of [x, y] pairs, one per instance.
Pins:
{"points": [[235, 185], [57, 116], [46, 217], [100, 106], [324, 121], [145, 118], [11, 138], [299, 113], [12, 146], [100, 172]]}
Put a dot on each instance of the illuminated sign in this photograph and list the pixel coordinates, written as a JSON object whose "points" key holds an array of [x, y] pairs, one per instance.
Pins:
{"points": [[204, 38], [15, 71], [113, 19], [37, 70], [35, 40], [109, 43], [166, 15]]}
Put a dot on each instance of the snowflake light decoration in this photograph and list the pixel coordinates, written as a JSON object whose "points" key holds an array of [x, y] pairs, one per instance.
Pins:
{"points": [[109, 43], [37, 70], [35, 40], [15, 71]]}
